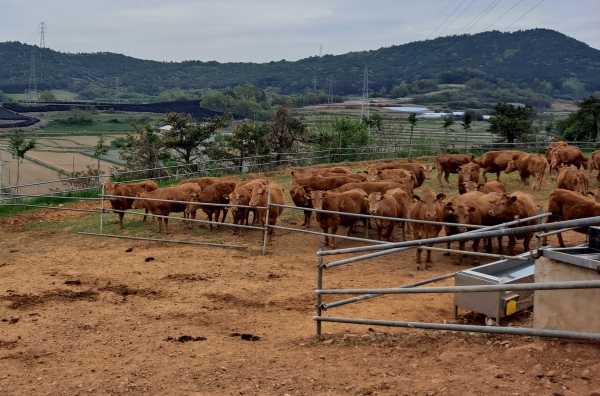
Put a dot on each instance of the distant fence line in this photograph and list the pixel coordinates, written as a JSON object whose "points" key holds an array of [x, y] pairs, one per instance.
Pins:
{"points": [[422, 146]]}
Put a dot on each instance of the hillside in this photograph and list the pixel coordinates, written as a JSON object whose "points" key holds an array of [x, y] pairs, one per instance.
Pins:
{"points": [[546, 61]]}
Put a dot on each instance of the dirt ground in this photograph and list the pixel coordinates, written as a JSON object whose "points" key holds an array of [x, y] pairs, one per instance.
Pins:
{"points": [[82, 315]]}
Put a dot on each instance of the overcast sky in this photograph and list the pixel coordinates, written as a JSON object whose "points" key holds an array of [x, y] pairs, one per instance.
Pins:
{"points": [[265, 30]]}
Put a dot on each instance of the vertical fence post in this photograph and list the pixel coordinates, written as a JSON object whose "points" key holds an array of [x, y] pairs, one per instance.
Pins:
{"points": [[267, 222], [102, 211], [319, 287], [38, 186], [539, 240]]}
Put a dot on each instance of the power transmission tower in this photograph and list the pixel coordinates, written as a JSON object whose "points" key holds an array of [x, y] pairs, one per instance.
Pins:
{"points": [[32, 92], [330, 85], [364, 110], [117, 93], [42, 30], [318, 68]]}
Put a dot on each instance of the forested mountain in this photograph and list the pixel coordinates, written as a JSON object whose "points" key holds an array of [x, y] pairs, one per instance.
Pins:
{"points": [[545, 61]]}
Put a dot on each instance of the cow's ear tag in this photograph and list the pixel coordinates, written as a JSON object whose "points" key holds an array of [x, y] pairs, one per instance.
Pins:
{"points": [[450, 211]]}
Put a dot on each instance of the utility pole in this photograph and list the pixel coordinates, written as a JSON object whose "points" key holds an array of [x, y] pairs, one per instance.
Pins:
{"points": [[32, 93], [330, 86]]}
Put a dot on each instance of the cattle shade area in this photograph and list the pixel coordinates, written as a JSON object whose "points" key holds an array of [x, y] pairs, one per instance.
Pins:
{"points": [[83, 315]]}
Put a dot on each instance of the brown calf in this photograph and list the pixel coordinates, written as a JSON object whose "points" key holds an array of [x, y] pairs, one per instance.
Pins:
{"points": [[427, 207], [509, 207], [466, 173], [529, 165], [449, 163], [573, 180], [260, 197], [126, 190], [569, 205], [496, 161]]}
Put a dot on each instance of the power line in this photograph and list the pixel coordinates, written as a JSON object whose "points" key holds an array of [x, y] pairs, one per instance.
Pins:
{"points": [[433, 20], [525, 14], [440, 25], [457, 17], [502, 15], [481, 15]]}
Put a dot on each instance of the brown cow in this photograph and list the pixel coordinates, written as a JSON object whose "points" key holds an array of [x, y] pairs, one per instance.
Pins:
{"points": [[476, 212], [466, 173], [354, 201], [529, 165], [371, 187], [393, 203], [260, 197], [323, 183], [165, 208], [388, 174], [489, 187], [496, 161], [422, 172], [300, 174], [356, 176], [551, 147], [126, 190], [450, 217], [569, 205], [427, 207], [594, 163], [204, 182], [569, 155], [449, 163], [509, 206], [241, 196], [573, 180], [217, 193], [302, 200]]}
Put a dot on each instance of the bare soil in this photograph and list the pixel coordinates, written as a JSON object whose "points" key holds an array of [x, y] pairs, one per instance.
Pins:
{"points": [[81, 315]]}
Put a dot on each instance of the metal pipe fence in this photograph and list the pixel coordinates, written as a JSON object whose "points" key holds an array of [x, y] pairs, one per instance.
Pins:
{"points": [[273, 161]]}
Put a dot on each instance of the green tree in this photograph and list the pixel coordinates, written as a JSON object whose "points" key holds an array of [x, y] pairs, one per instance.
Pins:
{"points": [[590, 107], [447, 126], [100, 151], [287, 129], [248, 140], [412, 120], [511, 122], [186, 135], [18, 146], [145, 150], [466, 124], [344, 133], [47, 96]]}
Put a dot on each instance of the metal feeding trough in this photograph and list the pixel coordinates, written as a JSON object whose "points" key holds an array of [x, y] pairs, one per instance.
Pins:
{"points": [[582, 256], [496, 304]]}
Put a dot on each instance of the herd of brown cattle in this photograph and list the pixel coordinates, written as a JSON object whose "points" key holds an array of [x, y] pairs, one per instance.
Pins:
{"points": [[388, 192]]}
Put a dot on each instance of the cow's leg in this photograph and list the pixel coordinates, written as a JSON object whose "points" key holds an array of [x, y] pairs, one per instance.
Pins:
{"points": [[526, 242], [307, 218], [121, 215], [561, 242], [379, 231], [160, 225], [461, 247], [366, 227], [225, 210], [440, 176], [326, 231], [498, 176], [167, 224], [446, 176], [418, 258], [512, 241], [403, 225], [145, 215], [210, 219], [333, 231], [500, 248], [428, 258], [390, 232]]}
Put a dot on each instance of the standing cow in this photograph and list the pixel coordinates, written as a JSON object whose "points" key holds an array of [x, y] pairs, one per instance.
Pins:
{"points": [[449, 163], [120, 205], [509, 207], [466, 173], [496, 161], [427, 207], [529, 165], [260, 198], [573, 180]]}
